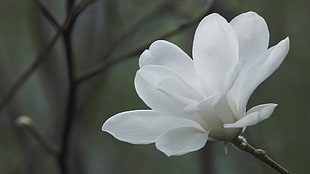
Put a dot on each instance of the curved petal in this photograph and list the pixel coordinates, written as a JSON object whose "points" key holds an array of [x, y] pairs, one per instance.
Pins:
{"points": [[182, 140], [264, 110], [252, 76], [223, 111], [253, 36], [248, 120], [229, 80], [215, 51], [211, 112], [147, 82], [177, 87], [254, 116], [216, 110], [142, 126], [167, 54]]}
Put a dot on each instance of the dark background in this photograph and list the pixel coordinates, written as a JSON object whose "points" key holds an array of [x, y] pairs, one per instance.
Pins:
{"points": [[109, 28]]}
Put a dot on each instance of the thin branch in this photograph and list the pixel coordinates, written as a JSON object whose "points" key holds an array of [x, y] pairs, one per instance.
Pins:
{"points": [[71, 98], [80, 8], [243, 145], [69, 6], [47, 15], [124, 35], [29, 70], [99, 68], [15, 86]]}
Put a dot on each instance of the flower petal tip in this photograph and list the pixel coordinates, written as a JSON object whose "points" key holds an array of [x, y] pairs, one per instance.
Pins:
{"points": [[285, 44], [274, 104], [103, 127], [287, 41], [213, 16], [251, 14]]}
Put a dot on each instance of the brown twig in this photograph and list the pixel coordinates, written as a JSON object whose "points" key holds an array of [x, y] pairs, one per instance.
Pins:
{"points": [[243, 145], [21, 79], [71, 98], [47, 15]]}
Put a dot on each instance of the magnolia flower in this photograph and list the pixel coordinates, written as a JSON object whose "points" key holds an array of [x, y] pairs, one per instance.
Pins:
{"points": [[204, 98]]}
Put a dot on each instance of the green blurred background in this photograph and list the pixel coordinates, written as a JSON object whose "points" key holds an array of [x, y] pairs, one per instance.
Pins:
{"points": [[24, 32]]}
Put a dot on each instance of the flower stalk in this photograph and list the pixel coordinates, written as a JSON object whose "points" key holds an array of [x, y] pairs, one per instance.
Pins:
{"points": [[241, 143]]}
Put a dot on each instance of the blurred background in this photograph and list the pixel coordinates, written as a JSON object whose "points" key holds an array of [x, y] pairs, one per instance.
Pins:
{"points": [[109, 29]]}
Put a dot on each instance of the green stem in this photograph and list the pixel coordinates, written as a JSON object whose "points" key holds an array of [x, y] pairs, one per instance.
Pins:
{"points": [[243, 145]]}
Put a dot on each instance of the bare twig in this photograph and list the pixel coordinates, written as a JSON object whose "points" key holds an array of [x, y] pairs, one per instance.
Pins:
{"points": [[71, 98], [242, 144], [69, 6], [15, 86], [29, 70], [134, 27], [99, 68], [47, 15]]}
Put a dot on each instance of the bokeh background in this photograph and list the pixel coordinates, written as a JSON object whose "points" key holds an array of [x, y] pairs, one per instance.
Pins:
{"points": [[108, 28]]}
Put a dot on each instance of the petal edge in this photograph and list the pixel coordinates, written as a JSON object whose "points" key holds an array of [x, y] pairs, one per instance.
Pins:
{"points": [[182, 140], [254, 115], [143, 126]]}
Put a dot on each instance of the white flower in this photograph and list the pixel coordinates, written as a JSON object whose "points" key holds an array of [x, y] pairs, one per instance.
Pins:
{"points": [[204, 98]]}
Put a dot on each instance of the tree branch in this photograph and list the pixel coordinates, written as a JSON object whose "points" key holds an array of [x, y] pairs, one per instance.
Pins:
{"points": [[134, 27], [69, 6], [47, 15], [243, 145], [99, 68], [21, 79], [71, 98]]}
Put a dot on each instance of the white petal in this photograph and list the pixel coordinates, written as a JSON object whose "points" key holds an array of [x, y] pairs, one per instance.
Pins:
{"points": [[142, 126], [182, 140], [176, 88], [248, 120], [178, 98], [230, 79], [254, 116], [218, 103], [147, 82], [265, 110], [215, 51], [208, 119], [250, 77], [253, 36], [214, 112], [224, 108], [205, 114], [167, 54], [223, 111]]}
